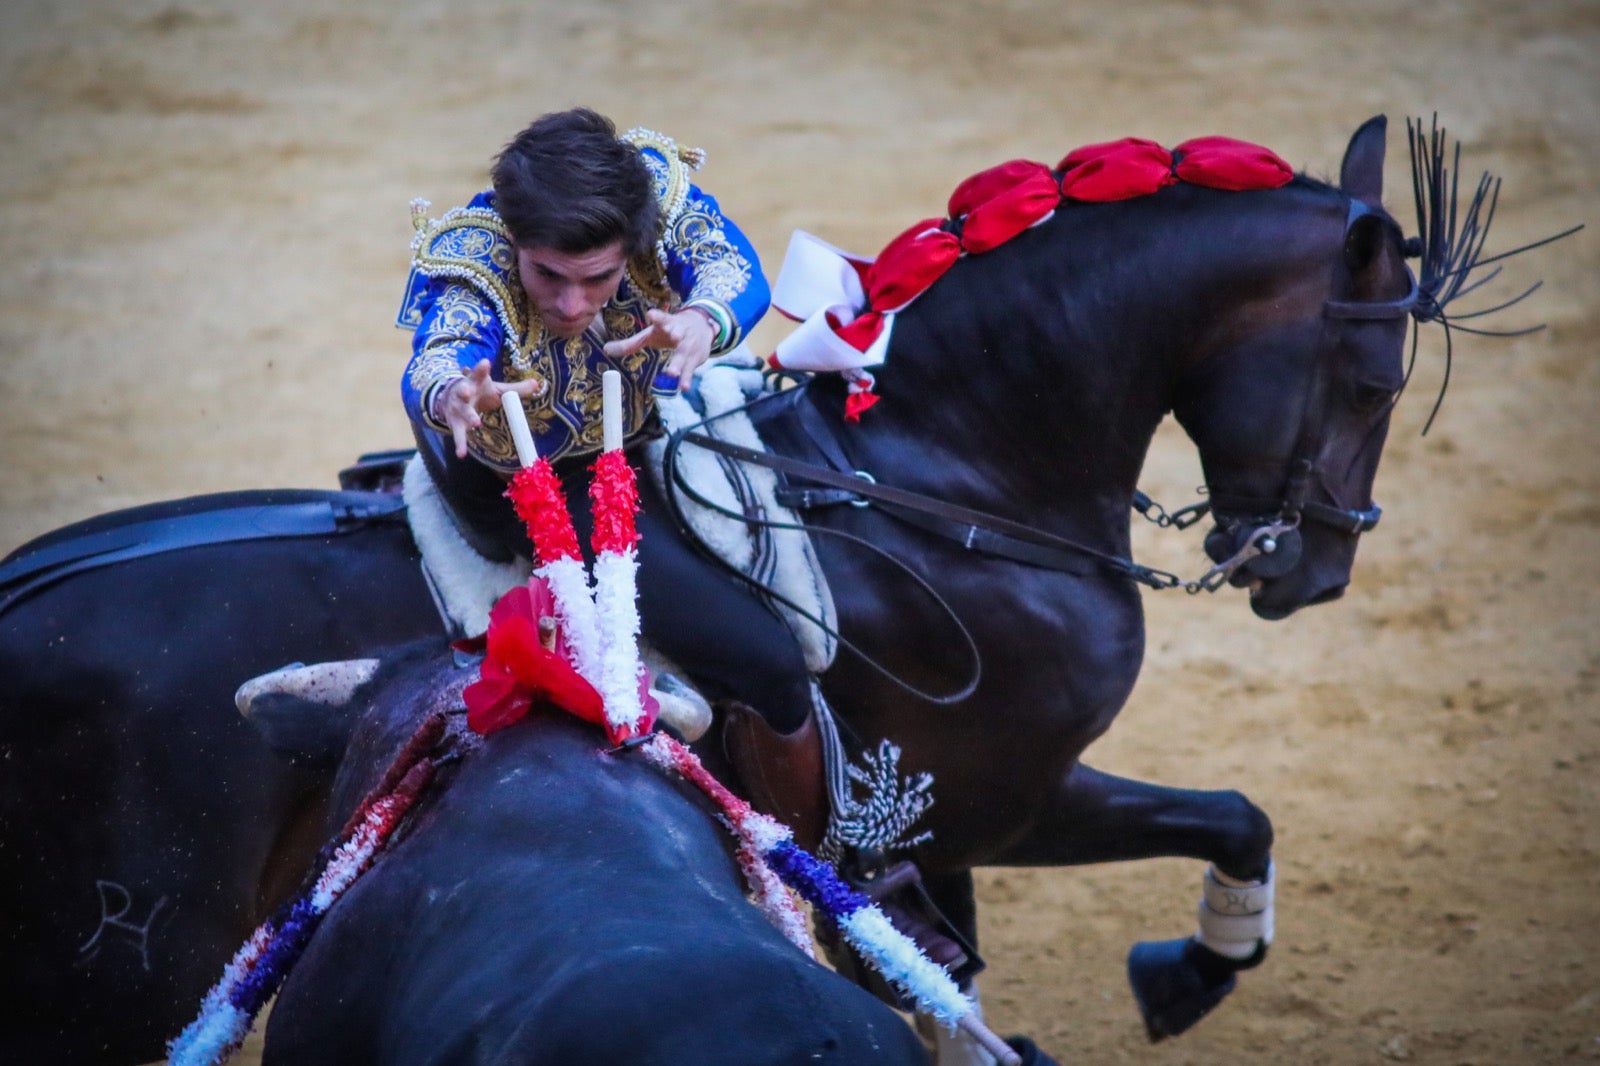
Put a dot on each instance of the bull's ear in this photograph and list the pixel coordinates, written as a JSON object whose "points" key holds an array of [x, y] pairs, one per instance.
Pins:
{"points": [[306, 711], [1361, 173]]}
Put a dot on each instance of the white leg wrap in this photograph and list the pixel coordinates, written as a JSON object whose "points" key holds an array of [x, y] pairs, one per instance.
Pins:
{"points": [[1235, 916]]}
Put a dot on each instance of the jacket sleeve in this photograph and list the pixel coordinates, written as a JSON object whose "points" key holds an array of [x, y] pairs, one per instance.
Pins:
{"points": [[458, 328], [712, 265]]}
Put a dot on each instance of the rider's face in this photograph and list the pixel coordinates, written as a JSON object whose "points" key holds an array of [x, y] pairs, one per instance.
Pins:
{"points": [[568, 289]]}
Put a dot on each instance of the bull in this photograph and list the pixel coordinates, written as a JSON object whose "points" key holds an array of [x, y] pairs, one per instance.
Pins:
{"points": [[550, 902]]}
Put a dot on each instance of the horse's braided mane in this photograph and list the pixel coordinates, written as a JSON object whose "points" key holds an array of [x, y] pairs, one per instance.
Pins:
{"points": [[1306, 181]]}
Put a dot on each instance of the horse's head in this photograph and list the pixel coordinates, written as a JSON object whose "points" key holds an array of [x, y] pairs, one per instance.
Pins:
{"points": [[1288, 398]]}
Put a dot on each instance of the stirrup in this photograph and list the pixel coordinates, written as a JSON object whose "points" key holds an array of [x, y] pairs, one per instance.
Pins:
{"points": [[898, 891]]}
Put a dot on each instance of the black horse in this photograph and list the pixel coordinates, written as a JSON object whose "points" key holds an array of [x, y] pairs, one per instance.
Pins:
{"points": [[140, 826], [1272, 324], [144, 830]]}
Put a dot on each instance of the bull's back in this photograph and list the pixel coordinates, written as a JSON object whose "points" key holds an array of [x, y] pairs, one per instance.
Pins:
{"points": [[558, 905]]}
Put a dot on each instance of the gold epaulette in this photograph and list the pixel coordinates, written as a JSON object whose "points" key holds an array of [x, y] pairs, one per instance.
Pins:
{"points": [[671, 172], [471, 245]]}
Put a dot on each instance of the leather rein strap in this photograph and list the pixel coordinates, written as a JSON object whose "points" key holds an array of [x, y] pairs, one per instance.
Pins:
{"points": [[678, 481], [972, 529]]}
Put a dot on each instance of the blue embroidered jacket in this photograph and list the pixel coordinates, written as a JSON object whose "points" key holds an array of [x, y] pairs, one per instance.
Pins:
{"points": [[466, 303]]}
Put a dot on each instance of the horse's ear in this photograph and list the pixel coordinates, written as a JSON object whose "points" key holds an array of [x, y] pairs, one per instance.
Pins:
{"points": [[1362, 242], [1361, 173]]}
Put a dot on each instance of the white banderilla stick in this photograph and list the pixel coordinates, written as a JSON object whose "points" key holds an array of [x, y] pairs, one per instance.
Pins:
{"points": [[521, 436]]}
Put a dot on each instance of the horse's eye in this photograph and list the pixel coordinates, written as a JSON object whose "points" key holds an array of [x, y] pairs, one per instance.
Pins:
{"points": [[1369, 396]]}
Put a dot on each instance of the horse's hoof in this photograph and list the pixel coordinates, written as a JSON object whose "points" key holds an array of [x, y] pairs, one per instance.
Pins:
{"points": [[1172, 989]]}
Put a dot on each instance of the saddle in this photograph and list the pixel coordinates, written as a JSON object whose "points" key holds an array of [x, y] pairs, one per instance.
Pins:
{"points": [[175, 525], [737, 510]]}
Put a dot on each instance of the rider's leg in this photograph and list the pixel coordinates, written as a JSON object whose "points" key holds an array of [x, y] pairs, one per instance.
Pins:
{"points": [[474, 495]]}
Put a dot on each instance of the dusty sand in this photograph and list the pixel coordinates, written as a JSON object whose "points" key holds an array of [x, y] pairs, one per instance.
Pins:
{"points": [[203, 223]]}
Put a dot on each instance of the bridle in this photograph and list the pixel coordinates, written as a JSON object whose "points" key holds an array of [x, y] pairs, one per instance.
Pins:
{"points": [[1263, 534], [1260, 537], [1267, 530]]}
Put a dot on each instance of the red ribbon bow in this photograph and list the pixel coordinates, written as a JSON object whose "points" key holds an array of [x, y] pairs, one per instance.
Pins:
{"points": [[519, 670]]}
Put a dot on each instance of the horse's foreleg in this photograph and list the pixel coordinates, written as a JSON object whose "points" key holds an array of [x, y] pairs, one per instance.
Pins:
{"points": [[1102, 818], [1098, 817]]}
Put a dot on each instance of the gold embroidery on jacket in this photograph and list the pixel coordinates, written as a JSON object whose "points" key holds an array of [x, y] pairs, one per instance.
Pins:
{"points": [[472, 246]]}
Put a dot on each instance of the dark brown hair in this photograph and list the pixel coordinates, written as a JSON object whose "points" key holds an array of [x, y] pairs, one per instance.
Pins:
{"points": [[567, 183]]}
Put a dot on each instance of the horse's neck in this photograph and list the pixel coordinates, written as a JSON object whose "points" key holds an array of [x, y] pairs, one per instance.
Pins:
{"points": [[1033, 377], [1017, 405]]}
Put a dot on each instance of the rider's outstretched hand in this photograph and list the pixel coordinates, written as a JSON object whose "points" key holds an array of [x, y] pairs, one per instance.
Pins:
{"points": [[688, 333], [460, 406]]}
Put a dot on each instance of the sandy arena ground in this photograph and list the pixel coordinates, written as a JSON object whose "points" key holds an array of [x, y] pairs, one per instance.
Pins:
{"points": [[203, 223]]}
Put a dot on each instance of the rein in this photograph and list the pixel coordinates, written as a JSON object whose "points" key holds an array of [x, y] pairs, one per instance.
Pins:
{"points": [[995, 535], [680, 481], [972, 529]]}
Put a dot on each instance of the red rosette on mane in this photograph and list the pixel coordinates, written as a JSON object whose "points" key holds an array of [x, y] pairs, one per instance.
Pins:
{"points": [[985, 211]]}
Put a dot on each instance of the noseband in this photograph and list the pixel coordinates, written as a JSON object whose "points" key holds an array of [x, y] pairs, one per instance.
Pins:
{"points": [[1261, 536]]}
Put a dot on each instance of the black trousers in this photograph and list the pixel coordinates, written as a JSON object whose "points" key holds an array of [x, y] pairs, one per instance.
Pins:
{"points": [[691, 609]]}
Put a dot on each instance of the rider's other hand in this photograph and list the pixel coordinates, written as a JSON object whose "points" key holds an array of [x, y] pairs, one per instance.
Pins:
{"points": [[688, 333], [467, 397]]}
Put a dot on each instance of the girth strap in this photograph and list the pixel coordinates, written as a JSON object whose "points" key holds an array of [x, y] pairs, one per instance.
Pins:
{"points": [[23, 576]]}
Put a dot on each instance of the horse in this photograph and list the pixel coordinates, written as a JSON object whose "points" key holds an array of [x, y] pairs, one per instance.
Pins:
{"points": [[1020, 394], [144, 828], [1272, 325]]}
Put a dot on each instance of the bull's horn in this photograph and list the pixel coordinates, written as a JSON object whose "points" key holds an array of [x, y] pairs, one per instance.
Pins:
{"points": [[326, 683]]}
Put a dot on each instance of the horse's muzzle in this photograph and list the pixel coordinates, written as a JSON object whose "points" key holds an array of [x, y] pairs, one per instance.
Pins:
{"points": [[1269, 609], [1277, 550]]}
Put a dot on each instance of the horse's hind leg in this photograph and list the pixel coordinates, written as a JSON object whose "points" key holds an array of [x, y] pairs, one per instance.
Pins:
{"points": [[1102, 818]]}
